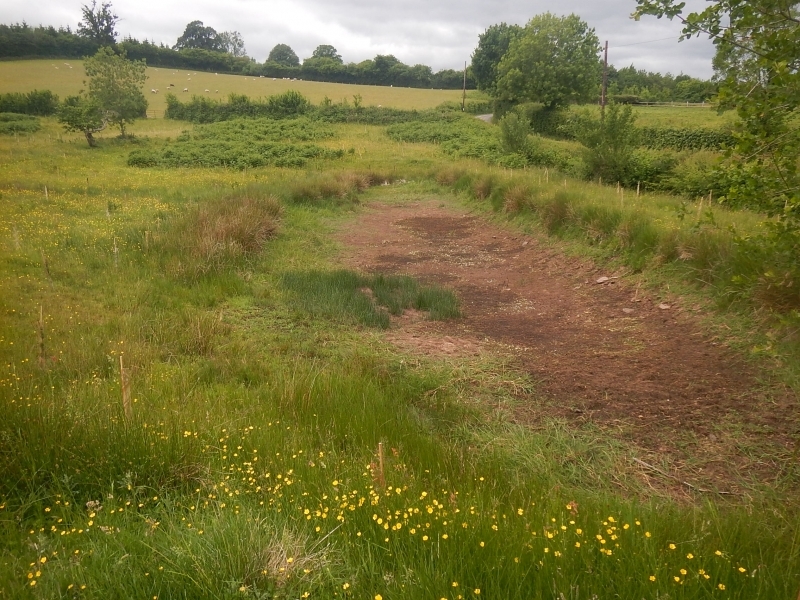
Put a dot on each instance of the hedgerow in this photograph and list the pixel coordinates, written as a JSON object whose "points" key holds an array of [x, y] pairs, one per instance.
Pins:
{"points": [[684, 138], [38, 102]]}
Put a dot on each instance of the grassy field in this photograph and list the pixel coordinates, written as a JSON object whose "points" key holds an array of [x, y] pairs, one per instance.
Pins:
{"points": [[676, 116], [273, 444], [66, 78]]}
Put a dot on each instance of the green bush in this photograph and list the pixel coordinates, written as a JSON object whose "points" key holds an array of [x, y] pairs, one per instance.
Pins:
{"points": [[42, 103], [205, 110], [514, 131], [241, 144], [609, 142], [684, 138], [16, 123]]}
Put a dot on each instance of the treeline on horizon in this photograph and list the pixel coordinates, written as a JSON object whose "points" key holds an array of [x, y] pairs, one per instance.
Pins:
{"points": [[24, 41], [626, 84]]}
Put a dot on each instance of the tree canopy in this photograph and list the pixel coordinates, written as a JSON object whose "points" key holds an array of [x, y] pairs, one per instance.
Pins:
{"points": [[232, 43], [492, 46], [758, 68], [327, 51], [283, 54], [115, 84], [99, 23], [84, 115], [196, 35], [554, 60]]}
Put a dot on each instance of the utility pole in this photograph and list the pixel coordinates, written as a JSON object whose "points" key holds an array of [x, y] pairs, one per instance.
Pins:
{"points": [[464, 93], [603, 98]]}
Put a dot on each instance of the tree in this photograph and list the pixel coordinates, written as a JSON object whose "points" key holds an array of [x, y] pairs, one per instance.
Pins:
{"points": [[196, 35], [327, 51], [757, 65], [115, 84], [554, 60], [492, 46], [98, 23], [232, 43], [83, 114], [283, 54]]}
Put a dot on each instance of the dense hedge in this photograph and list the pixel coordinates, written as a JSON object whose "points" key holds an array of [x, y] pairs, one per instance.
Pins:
{"points": [[38, 102], [205, 110], [290, 104], [658, 138]]}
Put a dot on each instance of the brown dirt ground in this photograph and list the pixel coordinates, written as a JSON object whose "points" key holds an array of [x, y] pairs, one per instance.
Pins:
{"points": [[600, 352]]}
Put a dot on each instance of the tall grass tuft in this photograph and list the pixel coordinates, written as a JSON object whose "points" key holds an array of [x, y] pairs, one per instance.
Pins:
{"points": [[516, 199], [222, 231]]}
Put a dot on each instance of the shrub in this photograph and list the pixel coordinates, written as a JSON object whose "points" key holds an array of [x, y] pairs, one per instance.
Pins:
{"points": [[241, 144], [696, 176], [42, 103], [609, 142], [514, 131], [16, 123], [684, 138], [200, 109]]}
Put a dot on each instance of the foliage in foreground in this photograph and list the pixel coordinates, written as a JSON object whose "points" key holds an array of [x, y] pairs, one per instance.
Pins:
{"points": [[757, 63]]}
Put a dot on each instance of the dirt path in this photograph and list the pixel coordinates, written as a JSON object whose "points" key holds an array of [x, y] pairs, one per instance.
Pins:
{"points": [[599, 351]]}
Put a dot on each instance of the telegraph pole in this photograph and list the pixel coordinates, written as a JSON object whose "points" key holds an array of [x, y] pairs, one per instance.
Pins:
{"points": [[603, 93], [464, 93]]}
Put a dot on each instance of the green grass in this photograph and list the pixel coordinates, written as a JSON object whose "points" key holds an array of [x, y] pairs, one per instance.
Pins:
{"points": [[259, 393], [676, 116], [368, 300], [57, 76]]}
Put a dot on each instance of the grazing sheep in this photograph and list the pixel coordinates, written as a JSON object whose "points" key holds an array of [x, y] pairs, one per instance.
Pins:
{"points": [[154, 91], [216, 91], [185, 89], [207, 90], [171, 85]]}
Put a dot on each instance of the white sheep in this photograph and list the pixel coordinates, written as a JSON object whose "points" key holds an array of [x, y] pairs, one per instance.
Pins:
{"points": [[207, 90], [185, 89]]}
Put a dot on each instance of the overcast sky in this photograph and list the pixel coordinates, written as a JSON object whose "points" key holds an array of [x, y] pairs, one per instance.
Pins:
{"points": [[438, 33]]}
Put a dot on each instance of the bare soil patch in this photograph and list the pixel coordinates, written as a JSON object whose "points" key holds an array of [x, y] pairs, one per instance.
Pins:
{"points": [[605, 352]]}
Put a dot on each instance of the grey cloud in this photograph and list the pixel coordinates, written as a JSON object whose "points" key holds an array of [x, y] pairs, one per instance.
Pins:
{"points": [[439, 33]]}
